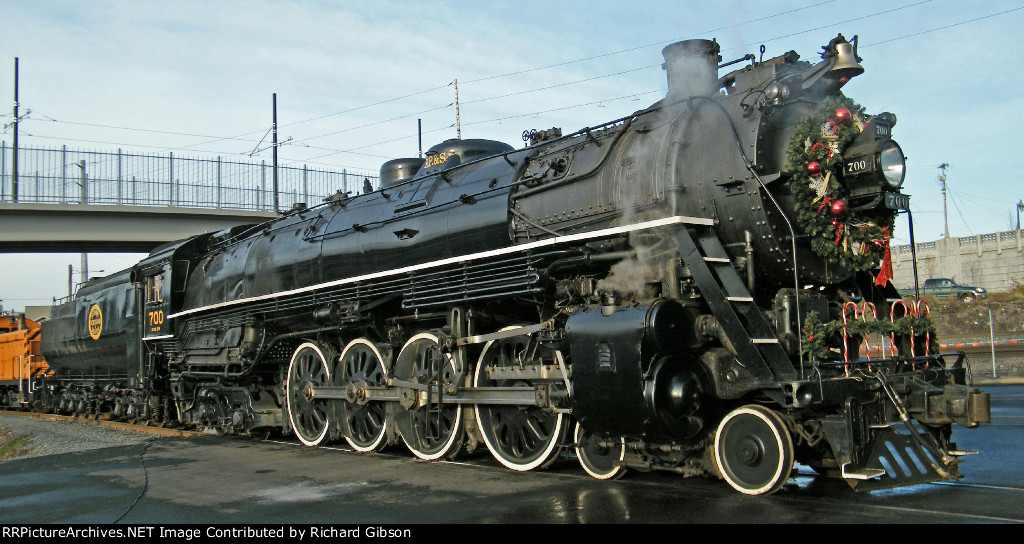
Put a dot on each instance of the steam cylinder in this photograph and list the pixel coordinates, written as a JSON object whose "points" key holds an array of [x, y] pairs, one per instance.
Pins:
{"points": [[618, 367]]}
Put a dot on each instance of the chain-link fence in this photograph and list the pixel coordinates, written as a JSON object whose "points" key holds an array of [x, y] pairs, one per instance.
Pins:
{"points": [[69, 176], [991, 333]]}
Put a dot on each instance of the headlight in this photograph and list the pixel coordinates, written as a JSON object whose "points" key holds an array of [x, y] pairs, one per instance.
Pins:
{"points": [[892, 163], [776, 94]]}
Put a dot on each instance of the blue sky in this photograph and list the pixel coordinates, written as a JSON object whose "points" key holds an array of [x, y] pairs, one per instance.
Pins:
{"points": [[352, 78]]}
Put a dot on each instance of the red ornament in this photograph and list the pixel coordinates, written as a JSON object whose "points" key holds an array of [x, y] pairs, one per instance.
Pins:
{"points": [[813, 168], [839, 209], [843, 116]]}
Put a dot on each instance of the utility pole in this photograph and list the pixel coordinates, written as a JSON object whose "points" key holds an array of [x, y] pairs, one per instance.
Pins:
{"points": [[85, 183], [277, 205], [84, 274], [14, 164], [945, 214], [458, 123], [85, 200]]}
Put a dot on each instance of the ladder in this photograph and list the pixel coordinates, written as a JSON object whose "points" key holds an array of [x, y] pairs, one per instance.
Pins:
{"points": [[747, 328]]}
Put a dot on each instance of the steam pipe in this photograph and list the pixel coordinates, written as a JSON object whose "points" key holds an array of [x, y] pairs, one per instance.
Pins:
{"points": [[750, 260], [587, 259], [748, 56], [913, 254]]}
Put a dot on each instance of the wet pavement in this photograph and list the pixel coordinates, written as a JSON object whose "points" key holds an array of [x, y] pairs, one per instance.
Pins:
{"points": [[206, 480]]}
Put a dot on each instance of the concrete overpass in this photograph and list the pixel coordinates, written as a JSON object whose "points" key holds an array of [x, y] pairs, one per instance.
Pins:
{"points": [[85, 228]]}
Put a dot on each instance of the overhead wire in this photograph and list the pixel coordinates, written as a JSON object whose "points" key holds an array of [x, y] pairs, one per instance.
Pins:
{"points": [[394, 99], [636, 48], [214, 139], [944, 27], [813, 29], [519, 93]]}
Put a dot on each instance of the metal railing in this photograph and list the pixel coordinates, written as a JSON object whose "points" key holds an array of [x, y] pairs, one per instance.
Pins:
{"points": [[74, 176]]}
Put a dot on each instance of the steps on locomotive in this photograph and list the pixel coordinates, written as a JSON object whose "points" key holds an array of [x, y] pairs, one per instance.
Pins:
{"points": [[727, 295]]}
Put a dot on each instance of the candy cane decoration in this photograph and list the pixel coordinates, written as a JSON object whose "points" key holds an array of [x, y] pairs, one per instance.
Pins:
{"points": [[864, 317], [846, 346], [892, 335], [927, 335]]}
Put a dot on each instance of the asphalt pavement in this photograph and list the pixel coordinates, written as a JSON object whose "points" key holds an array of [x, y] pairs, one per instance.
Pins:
{"points": [[212, 480]]}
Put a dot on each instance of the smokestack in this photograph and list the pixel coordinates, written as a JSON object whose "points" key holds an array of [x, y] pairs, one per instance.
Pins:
{"points": [[692, 67]]}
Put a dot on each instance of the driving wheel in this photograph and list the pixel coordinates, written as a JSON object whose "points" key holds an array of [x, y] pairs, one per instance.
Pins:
{"points": [[432, 430], [308, 416], [519, 437], [365, 425]]}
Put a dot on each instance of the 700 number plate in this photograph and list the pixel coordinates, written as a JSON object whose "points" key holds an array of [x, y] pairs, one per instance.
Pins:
{"points": [[896, 201]]}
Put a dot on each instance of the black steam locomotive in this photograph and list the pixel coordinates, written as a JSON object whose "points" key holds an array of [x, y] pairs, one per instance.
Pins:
{"points": [[690, 288]]}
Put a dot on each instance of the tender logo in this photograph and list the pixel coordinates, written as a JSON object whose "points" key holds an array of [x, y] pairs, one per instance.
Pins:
{"points": [[95, 322]]}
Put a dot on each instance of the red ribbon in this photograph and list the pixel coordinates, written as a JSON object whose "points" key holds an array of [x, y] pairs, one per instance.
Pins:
{"points": [[824, 203], [828, 150], [886, 273]]}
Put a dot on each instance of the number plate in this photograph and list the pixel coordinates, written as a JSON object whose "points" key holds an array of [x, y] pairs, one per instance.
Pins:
{"points": [[859, 165], [896, 201]]}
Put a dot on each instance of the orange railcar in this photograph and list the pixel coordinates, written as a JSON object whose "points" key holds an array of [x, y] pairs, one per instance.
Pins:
{"points": [[20, 359]]}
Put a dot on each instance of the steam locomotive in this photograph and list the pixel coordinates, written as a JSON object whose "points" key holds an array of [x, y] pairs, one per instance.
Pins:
{"points": [[692, 288]]}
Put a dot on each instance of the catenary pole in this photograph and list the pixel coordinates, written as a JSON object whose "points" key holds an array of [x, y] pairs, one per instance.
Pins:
{"points": [[277, 205], [14, 163]]}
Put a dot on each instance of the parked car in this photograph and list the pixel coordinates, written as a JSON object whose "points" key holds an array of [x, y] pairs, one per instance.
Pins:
{"points": [[949, 288]]}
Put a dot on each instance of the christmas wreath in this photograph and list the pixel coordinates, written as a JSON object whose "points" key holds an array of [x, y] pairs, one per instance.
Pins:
{"points": [[855, 241]]}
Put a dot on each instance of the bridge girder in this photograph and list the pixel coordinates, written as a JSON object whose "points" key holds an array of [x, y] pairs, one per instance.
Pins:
{"points": [[57, 228]]}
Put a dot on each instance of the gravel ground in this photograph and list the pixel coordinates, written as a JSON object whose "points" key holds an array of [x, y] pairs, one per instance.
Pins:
{"points": [[52, 437]]}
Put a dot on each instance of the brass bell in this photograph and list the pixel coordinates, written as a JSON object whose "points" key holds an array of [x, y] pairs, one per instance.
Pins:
{"points": [[846, 65]]}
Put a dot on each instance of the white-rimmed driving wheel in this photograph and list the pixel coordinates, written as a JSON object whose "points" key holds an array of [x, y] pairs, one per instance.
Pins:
{"points": [[309, 417], [519, 437], [365, 425], [754, 450], [434, 430]]}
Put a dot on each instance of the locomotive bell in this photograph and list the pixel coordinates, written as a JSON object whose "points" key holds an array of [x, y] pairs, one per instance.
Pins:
{"points": [[846, 65], [692, 68]]}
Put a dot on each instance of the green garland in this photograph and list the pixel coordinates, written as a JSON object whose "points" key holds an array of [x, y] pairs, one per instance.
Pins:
{"points": [[815, 337], [855, 242], [818, 335]]}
